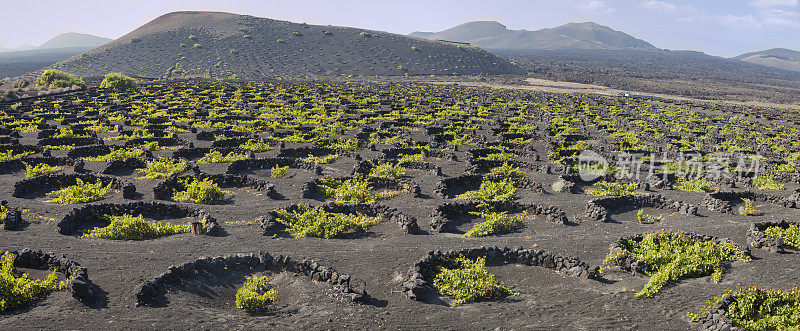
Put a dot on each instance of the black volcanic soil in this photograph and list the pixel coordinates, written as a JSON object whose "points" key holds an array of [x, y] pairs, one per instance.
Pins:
{"points": [[221, 45], [382, 257]]}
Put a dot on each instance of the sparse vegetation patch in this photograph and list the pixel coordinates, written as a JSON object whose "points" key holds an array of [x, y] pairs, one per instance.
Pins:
{"points": [[467, 280], [40, 169], [163, 168], [353, 190], [117, 81], [308, 221], [203, 191], [790, 235], [19, 290], [129, 227], [255, 294], [491, 190], [81, 192], [671, 255], [753, 308]]}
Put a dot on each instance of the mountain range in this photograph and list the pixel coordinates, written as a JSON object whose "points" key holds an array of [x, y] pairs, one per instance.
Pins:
{"points": [[580, 36], [191, 44], [493, 35]]}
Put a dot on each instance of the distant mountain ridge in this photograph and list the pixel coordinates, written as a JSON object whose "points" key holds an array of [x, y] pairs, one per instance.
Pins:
{"points": [[781, 58], [494, 35], [74, 39], [70, 40], [22, 60], [225, 45]]}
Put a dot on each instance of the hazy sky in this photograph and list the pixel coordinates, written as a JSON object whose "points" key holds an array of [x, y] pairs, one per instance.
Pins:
{"points": [[717, 27]]}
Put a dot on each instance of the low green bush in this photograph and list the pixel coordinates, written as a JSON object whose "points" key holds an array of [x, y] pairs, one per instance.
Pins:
{"points": [[790, 235], [81, 192], [672, 255], [759, 309], [278, 172], [138, 133], [376, 138], [491, 190], [199, 191], [117, 154], [496, 223], [217, 157], [57, 78], [460, 140], [68, 133], [255, 294], [507, 170], [60, 147], [308, 221], [467, 281], [643, 218], [386, 170], [10, 155], [151, 146], [256, 145], [605, 188], [695, 185], [129, 227], [118, 81], [750, 209], [321, 160], [787, 167], [411, 157], [17, 291], [766, 182], [163, 168], [354, 190], [39, 169], [499, 156], [344, 144]]}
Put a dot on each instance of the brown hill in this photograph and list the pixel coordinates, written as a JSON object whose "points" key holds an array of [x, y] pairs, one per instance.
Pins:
{"points": [[780, 58], [224, 45]]}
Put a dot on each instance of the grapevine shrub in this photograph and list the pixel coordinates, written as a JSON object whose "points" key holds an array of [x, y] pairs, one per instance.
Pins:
{"points": [[81, 192], [128, 227], [199, 191], [163, 168], [307, 221], [467, 281], [496, 223], [17, 291], [790, 235], [491, 190], [255, 294], [754, 308], [672, 255]]}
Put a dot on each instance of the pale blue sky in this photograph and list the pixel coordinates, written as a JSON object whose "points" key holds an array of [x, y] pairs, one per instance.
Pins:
{"points": [[717, 27]]}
